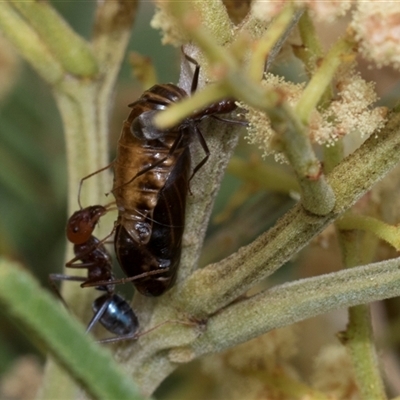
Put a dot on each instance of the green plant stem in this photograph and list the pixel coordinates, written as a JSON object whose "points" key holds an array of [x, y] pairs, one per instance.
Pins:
{"points": [[214, 19], [208, 23], [111, 34], [309, 37], [266, 43], [311, 53], [386, 232], [29, 44], [257, 29], [47, 321], [79, 111], [317, 196], [333, 155], [203, 98], [82, 132], [323, 77], [234, 84], [358, 337], [293, 302], [73, 53], [211, 288], [221, 139]]}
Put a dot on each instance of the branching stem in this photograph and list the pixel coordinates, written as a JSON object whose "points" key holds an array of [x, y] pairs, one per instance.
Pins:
{"points": [[358, 337]]}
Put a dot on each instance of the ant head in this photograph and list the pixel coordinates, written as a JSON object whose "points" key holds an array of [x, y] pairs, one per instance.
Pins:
{"points": [[81, 224]]}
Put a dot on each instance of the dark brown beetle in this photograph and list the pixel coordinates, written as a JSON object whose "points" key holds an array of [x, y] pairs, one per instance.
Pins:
{"points": [[151, 175]]}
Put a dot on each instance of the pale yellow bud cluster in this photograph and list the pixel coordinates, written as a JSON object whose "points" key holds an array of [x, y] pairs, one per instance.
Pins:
{"points": [[377, 29], [327, 10], [172, 33], [259, 130], [350, 111]]}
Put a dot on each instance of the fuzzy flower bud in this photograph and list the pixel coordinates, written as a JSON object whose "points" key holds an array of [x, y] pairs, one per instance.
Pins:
{"points": [[377, 28], [350, 111], [327, 10], [165, 21]]}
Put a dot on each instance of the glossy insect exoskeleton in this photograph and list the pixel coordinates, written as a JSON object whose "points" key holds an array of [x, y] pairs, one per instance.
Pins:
{"points": [[162, 252], [116, 315], [151, 175], [110, 309], [81, 223]]}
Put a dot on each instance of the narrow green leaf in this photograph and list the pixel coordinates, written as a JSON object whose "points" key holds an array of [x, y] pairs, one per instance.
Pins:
{"points": [[49, 323]]}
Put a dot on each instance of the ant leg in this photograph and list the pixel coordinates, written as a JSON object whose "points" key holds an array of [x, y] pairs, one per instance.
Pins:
{"points": [[118, 338], [70, 263], [53, 278], [60, 277], [86, 265], [125, 280], [136, 335], [87, 177], [97, 316]]}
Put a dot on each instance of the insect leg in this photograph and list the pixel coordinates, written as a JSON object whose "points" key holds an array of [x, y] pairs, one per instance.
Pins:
{"points": [[125, 280], [97, 316], [203, 144], [53, 278], [87, 177], [195, 80], [71, 263], [137, 335]]}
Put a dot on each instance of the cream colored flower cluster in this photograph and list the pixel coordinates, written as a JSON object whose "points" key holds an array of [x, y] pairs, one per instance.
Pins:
{"points": [[166, 22], [326, 10], [259, 130], [376, 23], [377, 28], [350, 111]]}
